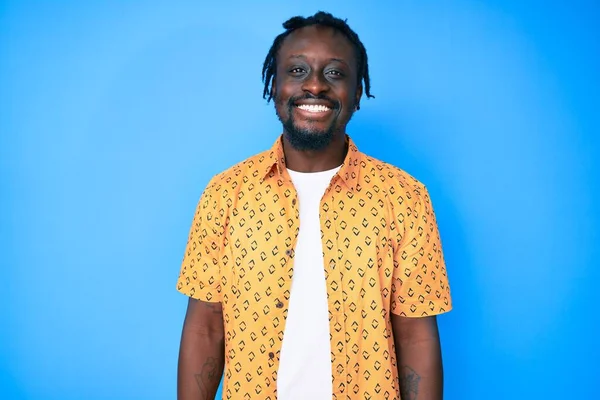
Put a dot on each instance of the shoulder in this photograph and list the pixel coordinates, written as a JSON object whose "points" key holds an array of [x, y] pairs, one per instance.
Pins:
{"points": [[252, 168], [394, 179], [407, 196]]}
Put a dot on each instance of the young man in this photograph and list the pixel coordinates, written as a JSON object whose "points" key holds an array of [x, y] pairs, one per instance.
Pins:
{"points": [[314, 271]]}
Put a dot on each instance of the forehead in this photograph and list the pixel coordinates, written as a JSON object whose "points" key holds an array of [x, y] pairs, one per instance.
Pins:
{"points": [[318, 42]]}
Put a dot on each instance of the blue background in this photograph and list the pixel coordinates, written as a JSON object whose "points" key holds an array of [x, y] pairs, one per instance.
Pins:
{"points": [[114, 115]]}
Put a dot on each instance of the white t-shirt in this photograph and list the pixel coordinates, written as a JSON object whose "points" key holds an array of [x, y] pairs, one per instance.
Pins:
{"points": [[305, 359]]}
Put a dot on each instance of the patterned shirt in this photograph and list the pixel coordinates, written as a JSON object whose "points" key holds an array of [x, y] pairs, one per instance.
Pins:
{"points": [[382, 255]]}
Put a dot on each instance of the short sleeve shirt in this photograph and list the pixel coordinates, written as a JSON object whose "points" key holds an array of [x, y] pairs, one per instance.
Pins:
{"points": [[382, 255]]}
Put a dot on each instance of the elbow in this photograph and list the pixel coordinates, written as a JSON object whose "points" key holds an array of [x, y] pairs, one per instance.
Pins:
{"points": [[415, 331], [212, 333]]}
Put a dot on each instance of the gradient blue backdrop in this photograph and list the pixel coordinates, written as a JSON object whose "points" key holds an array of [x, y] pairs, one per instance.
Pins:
{"points": [[114, 115]]}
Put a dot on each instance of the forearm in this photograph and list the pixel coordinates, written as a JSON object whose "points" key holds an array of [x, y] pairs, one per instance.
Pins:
{"points": [[201, 361], [419, 358], [420, 370]]}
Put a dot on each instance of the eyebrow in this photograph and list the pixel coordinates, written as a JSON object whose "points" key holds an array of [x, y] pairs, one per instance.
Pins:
{"points": [[303, 57]]}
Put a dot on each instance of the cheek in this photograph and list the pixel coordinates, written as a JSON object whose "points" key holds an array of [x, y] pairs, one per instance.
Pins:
{"points": [[348, 96], [349, 105], [278, 99], [281, 107], [281, 99]]}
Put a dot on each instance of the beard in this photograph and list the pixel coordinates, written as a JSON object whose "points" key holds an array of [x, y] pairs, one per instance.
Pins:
{"points": [[308, 138]]}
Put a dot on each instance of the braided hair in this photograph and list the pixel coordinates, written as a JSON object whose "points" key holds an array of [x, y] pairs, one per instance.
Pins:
{"points": [[323, 19]]}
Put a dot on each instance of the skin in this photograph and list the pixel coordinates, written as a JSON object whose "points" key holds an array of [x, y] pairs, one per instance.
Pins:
{"points": [[316, 62], [419, 356], [201, 352], [321, 61]]}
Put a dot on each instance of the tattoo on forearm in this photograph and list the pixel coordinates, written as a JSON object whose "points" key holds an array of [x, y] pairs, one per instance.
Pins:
{"points": [[409, 383], [208, 380]]}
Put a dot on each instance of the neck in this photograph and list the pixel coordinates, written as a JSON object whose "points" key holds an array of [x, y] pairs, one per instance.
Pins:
{"points": [[325, 159]]}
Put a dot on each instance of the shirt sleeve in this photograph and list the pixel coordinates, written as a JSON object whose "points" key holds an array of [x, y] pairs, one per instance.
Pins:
{"points": [[200, 275], [420, 284]]}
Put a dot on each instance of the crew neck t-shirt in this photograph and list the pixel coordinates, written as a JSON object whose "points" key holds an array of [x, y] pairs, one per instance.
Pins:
{"points": [[305, 364]]}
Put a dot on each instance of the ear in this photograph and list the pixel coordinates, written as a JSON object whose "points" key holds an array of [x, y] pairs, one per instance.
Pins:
{"points": [[358, 96], [359, 91], [273, 88]]}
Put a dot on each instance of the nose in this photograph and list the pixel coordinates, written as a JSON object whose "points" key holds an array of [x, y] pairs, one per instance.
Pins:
{"points": [[315, 84]]}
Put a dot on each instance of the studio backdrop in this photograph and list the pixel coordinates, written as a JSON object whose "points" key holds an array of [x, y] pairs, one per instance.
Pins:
{"points": [[114, 116]]}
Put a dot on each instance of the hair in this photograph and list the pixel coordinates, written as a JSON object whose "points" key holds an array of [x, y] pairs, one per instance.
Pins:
{"points": [[323, 19]]}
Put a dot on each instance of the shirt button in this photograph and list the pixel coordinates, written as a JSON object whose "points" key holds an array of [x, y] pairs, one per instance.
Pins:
{"points": [[271, 355], [293, 202], [279, 304], [288, 252]]}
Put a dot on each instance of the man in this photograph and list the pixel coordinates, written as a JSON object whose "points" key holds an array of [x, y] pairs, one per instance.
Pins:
{"points": [[314, 271]]}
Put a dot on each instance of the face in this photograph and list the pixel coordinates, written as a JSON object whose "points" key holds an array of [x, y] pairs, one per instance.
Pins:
{"points": [[316, 86]]}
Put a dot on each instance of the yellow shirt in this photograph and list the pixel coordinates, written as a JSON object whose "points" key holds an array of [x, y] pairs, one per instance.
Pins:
{"points": [[382, 255]]}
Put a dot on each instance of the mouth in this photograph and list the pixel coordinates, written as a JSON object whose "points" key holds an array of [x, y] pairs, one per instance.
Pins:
{"points": [[313, 108]]}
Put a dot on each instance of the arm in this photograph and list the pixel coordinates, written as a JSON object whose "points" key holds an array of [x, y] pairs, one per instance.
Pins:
{"points": [[420, 291], [419, 357], [202, 351]]}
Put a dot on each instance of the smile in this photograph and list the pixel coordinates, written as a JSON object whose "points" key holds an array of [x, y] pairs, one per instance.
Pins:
{"points": [[313, 108]]}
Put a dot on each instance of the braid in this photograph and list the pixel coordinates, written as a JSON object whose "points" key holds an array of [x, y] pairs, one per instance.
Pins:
{"points": [[323, 19]]}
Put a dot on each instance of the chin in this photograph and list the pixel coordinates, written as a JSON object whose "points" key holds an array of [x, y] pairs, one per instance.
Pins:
{"points": [[309, 139], [311, 131]]}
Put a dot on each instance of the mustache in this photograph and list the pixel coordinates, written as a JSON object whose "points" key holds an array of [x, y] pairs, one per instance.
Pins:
{"points": [[308, 96]]}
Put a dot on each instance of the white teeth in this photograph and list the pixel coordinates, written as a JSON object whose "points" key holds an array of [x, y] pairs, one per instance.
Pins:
{"points": [[313, 107]]}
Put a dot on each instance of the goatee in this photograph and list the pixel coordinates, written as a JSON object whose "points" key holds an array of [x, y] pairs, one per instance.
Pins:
{"points": [[305, 138]]}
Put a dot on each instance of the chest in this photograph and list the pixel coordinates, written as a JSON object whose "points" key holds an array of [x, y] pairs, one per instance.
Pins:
{"points": [[262, 230]]}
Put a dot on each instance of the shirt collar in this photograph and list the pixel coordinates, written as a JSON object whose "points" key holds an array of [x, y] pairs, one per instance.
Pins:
{"points": [[275, 163]]}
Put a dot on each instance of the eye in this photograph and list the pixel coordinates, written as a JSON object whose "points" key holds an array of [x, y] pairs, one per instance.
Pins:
{"points": [[297, 70], [335, 72]]}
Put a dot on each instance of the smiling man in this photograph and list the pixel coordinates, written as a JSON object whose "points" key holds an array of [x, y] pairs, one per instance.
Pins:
{"points": [[313, 270]]}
